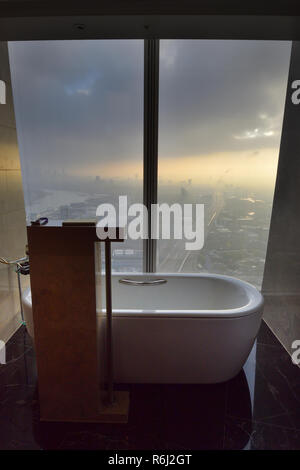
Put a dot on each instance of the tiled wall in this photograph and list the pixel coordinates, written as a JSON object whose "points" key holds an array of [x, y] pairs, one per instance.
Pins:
{"points": [[12, 213]]}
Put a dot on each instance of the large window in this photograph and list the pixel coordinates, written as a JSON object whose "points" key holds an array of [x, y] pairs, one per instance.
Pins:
{"points": [[79, 112], [81, 126], [220, 118]]}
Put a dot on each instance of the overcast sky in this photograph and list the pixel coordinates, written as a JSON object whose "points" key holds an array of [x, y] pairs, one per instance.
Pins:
{"points": [[79, 104]]}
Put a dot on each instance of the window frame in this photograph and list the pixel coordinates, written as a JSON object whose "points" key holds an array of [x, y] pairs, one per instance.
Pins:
{"points": [[150, 137]]}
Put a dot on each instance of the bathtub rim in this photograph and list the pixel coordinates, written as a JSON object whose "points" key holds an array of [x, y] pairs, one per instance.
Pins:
{"points": [[255, 299]]}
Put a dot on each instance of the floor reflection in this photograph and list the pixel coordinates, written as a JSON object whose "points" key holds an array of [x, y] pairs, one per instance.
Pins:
{"points": [[258, 409]]}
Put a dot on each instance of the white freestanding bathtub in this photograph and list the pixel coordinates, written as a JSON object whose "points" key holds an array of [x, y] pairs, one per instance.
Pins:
{"points": [[195, 328]]}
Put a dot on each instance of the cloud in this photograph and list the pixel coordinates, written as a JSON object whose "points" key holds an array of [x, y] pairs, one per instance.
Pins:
{"points": [[217, 90], [80, 103]]}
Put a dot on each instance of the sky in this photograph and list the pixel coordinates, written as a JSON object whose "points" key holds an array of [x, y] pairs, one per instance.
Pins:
{"points": [[79, 108]]}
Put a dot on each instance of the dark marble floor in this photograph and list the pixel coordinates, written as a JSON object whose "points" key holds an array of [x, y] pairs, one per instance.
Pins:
{"points": [[258, 409]]}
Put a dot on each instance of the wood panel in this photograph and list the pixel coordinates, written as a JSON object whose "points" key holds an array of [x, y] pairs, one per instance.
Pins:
{"points": [[62, 265]]}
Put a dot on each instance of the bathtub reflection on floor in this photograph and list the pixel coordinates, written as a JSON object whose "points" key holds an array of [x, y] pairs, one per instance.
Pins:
{"points": [[166, 416]]}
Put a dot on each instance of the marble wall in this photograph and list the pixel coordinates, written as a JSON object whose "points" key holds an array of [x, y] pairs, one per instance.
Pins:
{"points": [[12, 212], [281, 285]]}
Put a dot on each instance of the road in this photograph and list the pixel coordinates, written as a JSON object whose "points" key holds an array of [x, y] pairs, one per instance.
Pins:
{"points": [[172, 253]]}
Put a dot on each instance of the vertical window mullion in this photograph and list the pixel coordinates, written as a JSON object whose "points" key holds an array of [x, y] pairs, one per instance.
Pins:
{"points": [[151, 83]]}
